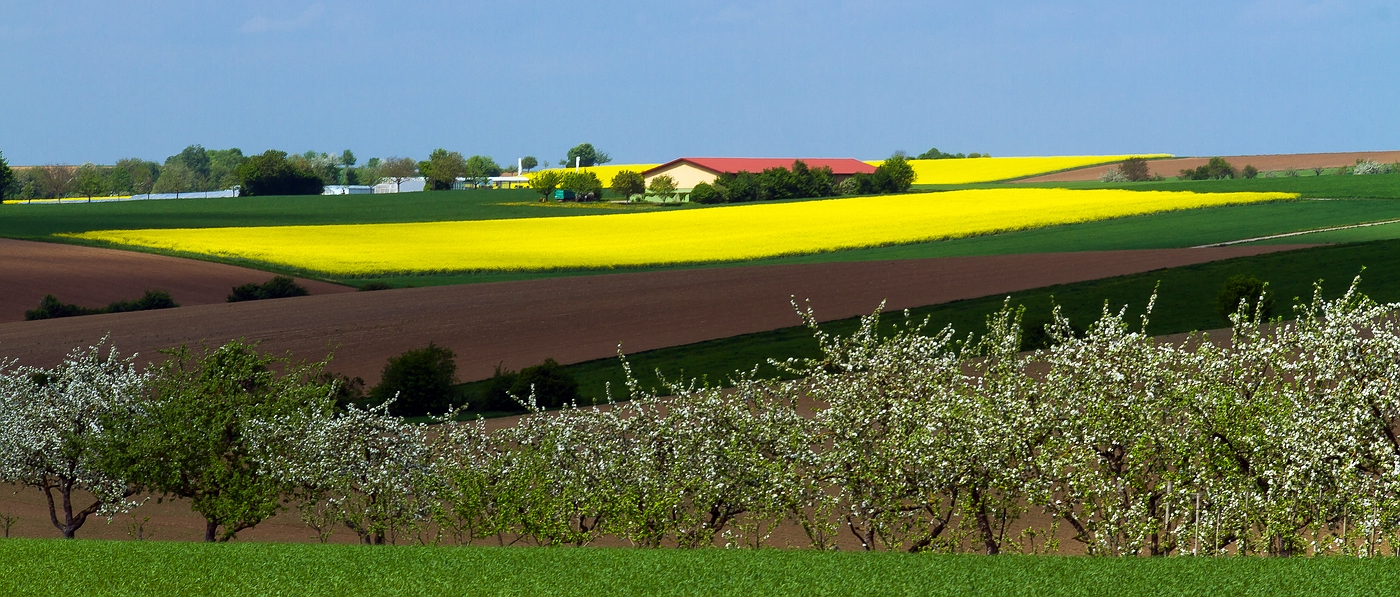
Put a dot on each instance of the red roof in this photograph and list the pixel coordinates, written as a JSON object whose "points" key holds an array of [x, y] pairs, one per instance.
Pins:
{"points": [[839, 166]]}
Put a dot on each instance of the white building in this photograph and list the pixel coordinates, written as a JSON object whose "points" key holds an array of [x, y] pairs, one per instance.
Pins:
{"points": [[409, 185], [347, 189]]}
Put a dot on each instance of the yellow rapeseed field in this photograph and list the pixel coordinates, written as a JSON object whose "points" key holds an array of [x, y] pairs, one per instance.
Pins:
{"points": [[606, 172], [971, 170], [685, 236]]}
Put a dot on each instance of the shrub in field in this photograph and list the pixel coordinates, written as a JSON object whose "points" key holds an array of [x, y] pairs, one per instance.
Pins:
{"points": [[1363, 167], [54, 427], [1216, 168], [705, 193], [547, 383], [797, 182], [1249, 171], [50, 307], [277, 287], [1245, 292], [1113, 174], [419, 382], [628, 183]]}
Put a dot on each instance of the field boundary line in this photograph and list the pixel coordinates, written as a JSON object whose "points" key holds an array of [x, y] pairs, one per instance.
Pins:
{"points": [[1299, 233]]}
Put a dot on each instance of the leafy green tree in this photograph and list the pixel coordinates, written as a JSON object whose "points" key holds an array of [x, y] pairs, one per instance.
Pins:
{"points": [[272, 174], [662, 186], [195, 160], [1250, 290], [223, 167], [7, 177], [585, 185], [174, 178], [1249, 171], [627, 183], [934, 154], [368, 174], [480, 167], [134, 175], [193, 437], [89, 181], [585, 155], [442, 169], [421, 382], [545, 182], [399, 170], [901, 174], [528, 163]]}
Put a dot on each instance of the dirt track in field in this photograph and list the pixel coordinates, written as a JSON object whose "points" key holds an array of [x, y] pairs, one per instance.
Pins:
{"points": [[93, 277], [579, 318], [1265, 163]]}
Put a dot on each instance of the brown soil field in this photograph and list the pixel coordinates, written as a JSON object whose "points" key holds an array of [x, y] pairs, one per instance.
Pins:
{"points": [[93, 277], [580, 318], [1265, 163]]}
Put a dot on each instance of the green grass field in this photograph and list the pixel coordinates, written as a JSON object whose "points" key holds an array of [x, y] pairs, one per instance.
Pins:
{"points": [[55, 567], [1186, 302]]}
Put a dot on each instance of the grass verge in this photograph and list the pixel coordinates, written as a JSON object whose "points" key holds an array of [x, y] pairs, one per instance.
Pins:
{"points": [[54, 567]]}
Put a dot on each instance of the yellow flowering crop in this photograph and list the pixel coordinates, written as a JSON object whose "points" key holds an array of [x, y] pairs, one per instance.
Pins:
{"points": [[970, 170], [684, 236], [606, 172]]}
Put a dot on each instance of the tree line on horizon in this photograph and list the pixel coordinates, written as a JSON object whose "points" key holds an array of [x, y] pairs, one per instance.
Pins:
{"points": [[274, 172]]}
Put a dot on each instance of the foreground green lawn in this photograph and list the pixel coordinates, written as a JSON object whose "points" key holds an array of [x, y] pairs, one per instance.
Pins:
{"points": [[1186, 302], [53, 567]]}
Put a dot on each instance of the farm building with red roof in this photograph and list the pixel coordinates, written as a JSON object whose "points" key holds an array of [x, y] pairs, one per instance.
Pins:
{"points": [[688, 172]]}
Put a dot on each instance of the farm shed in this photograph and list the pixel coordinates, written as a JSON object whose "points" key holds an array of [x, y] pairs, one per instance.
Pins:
{"points": [[689, 172]]}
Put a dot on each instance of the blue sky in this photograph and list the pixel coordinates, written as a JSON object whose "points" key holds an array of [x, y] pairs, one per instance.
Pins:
{"points": [[647, 81]]}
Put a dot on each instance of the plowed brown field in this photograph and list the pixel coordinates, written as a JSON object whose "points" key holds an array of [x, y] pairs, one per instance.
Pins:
{"points": [[580, 318], [93, 277], [1264, 163]]}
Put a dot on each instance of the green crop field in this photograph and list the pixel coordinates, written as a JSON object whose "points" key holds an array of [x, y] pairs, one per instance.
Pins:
{"points": [[54, 567], [1186, 302], [39, 221]]}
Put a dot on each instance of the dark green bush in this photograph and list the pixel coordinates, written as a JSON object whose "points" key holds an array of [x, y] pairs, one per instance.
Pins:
{"points": [[1135, 170], [1215, 169], [706, 193], [1244, 288], [277, 287], [423, 380], [553, 386], [1249, 171], [375, 286], [52, 308], [273, 174]]}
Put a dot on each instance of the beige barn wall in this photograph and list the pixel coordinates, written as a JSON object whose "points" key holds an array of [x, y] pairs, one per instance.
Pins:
{"points": [[685, 175]]}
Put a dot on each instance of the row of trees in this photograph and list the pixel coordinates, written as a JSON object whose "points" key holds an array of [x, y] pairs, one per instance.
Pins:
{"points": [[895, 175], [1282, 442], [197, 169]]}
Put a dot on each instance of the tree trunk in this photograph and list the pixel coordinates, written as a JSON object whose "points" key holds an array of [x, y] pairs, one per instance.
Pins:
{"points": [[211, 528], [984, 525]]}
